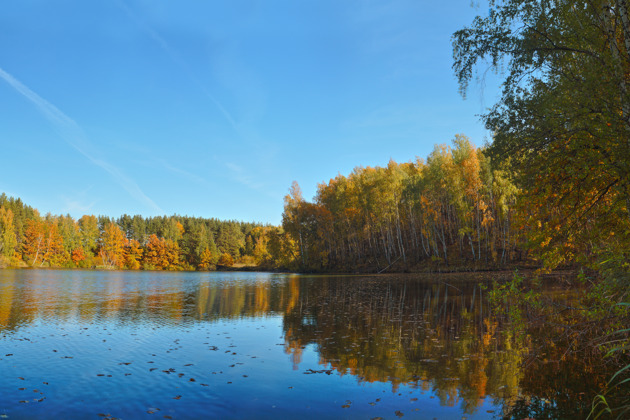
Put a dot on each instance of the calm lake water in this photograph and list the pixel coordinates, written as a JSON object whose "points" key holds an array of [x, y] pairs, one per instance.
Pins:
{"points": [[100, 344]]}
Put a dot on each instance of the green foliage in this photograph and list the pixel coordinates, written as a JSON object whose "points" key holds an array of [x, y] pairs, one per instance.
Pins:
{"points": [[563, 120], [514, 300], [619, 383], [562, 126], [8, 240]]}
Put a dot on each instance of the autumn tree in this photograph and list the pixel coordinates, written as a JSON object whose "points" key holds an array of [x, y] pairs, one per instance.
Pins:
{"points": [[226, 260], [77, 256], [8, 240], [207, 260], [133, 254], [42, 243], [161, 254], [563, 120], [112, 246]]}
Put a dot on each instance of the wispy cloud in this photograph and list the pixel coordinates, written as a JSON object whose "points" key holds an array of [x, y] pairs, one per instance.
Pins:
{"points": [[72, 133], [73, 206], [181, 63], [241, 176], [387, 116]]}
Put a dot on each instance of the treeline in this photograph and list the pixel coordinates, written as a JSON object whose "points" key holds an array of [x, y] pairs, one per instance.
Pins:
{"points": [[453, 210], [131, 242]]}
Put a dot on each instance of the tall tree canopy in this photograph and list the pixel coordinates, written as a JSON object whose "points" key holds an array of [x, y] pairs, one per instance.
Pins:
{"points": [[563, 120]]}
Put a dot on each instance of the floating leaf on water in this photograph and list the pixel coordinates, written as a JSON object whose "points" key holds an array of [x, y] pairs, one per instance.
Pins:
{"points": [[399, 413]]}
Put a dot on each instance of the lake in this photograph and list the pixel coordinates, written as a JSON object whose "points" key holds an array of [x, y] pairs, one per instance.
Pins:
{"points": [[155, 345]]}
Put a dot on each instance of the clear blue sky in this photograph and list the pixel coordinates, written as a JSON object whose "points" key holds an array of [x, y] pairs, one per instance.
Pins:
{"points": [[213, 108]]}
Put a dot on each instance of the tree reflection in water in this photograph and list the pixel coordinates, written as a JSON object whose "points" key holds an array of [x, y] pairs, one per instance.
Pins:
{"points": [[430, 333]]}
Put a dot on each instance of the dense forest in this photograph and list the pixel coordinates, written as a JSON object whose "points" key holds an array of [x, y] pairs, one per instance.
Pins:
{"points": [[453, 211], [130, 242]]}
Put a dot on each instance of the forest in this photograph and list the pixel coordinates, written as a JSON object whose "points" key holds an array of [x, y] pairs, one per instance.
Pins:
{"points": [[454, 211], [551, 189], [129, 242]]}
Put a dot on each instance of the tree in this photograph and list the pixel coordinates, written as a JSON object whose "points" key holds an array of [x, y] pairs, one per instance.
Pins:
{"points": [[133, 254], [8, 240], [207, 260], [563, 120], [226, 260], [42, 243], [230, 239], [89, 233], [77, 256], [161, 254], [70, 233], [112, 246]]}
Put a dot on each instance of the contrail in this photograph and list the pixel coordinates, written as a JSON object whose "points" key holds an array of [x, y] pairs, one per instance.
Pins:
{"points": [[183, 66], [72, 133]]}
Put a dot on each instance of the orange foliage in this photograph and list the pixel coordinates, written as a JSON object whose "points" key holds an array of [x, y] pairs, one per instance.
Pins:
{"points": [[133, 254], [77, 256], [112, 250], [207, 260], [161, 254], [226, 260], [42, 243]]}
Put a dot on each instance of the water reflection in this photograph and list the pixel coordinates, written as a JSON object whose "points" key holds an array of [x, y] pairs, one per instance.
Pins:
{"points": [[424, 333]]}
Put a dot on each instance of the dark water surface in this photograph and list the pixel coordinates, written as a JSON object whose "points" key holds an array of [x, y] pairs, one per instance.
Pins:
{"points": [[98, 344]]}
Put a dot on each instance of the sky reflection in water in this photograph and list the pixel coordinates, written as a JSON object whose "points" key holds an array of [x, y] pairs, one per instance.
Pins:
{"points": [[90, 344]]}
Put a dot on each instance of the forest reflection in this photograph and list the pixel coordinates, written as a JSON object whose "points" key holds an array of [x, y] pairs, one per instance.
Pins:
{"points": [[431, 334]]}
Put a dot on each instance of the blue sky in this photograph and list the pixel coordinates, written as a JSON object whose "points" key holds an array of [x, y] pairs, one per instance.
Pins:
{"points": [[213, 108]]}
